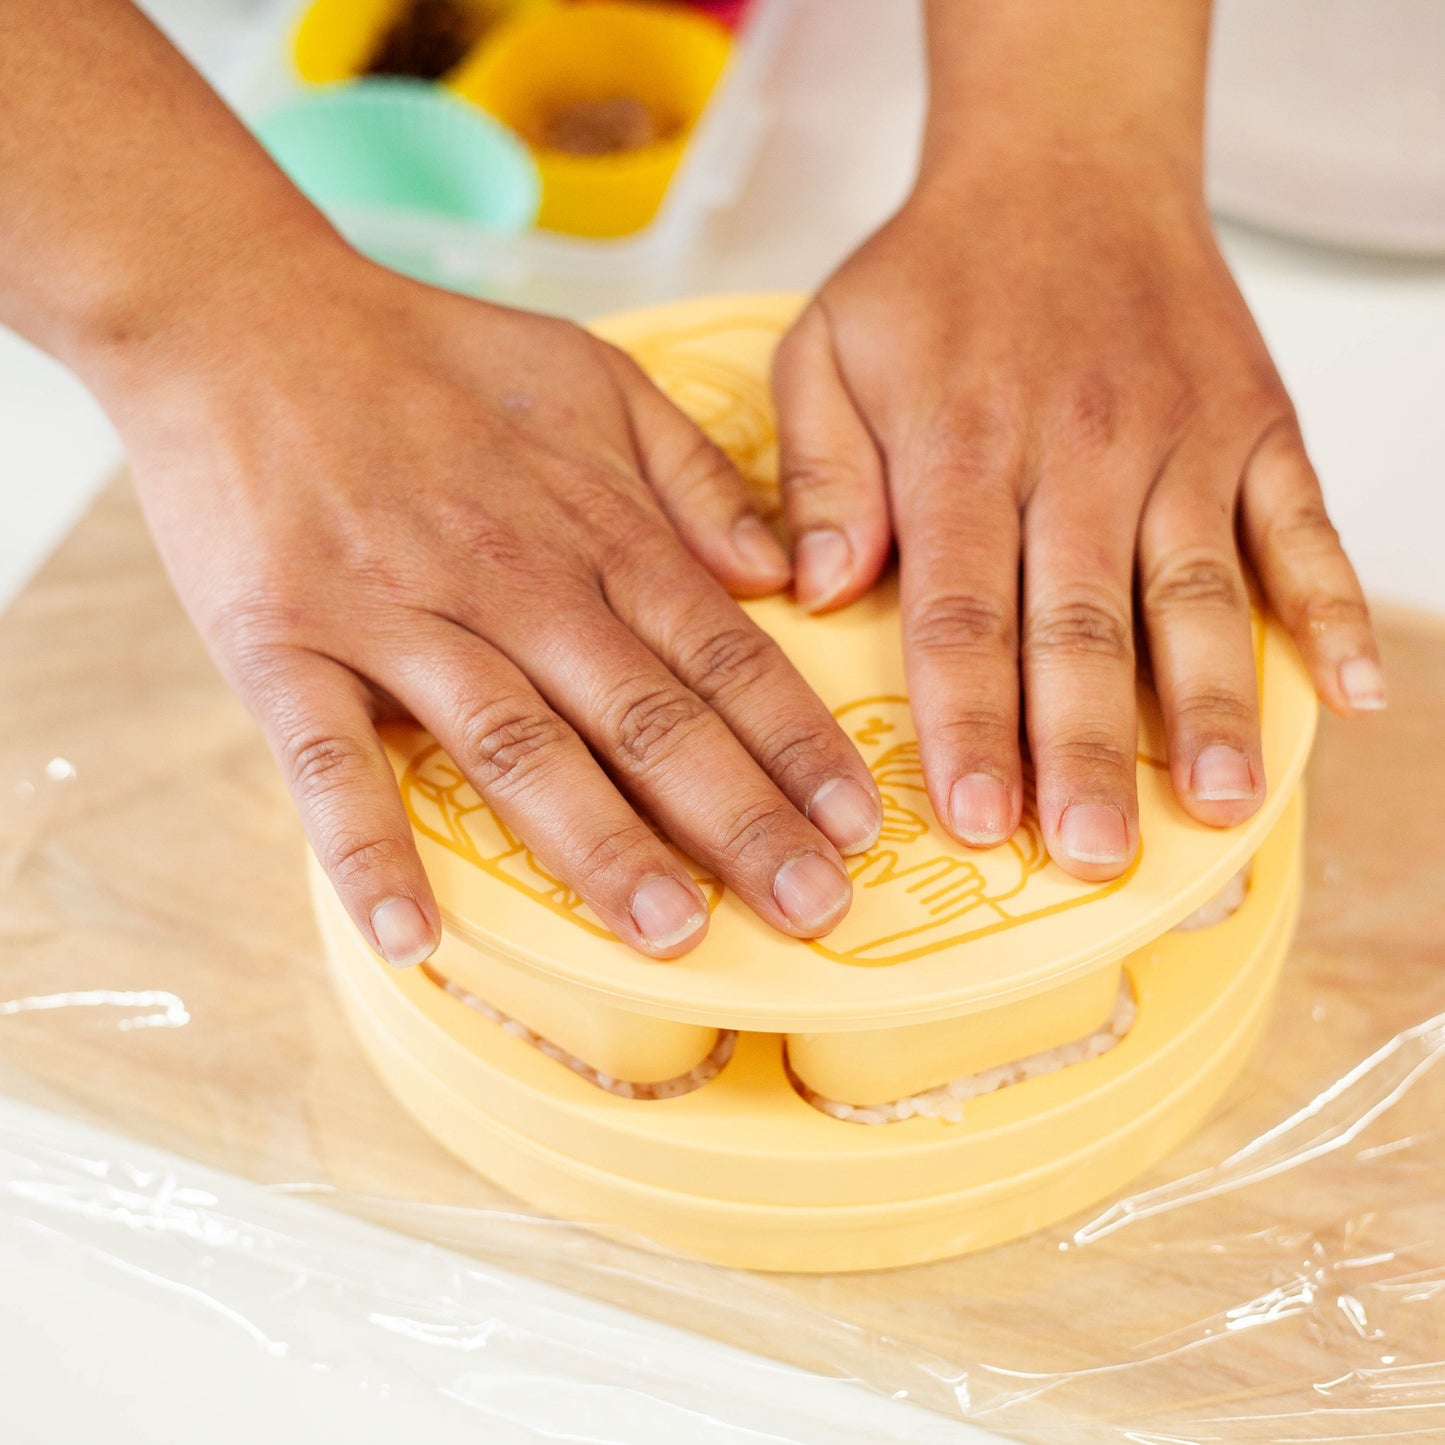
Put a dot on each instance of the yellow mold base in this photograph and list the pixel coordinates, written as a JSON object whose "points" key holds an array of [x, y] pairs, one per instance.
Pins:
{"points": [[867, 1066], [744, 1172]]}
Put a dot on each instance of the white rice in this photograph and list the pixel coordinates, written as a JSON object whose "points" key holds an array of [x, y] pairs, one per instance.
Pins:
{"points": [[946, 1101], [1228, 901], [700, 1074]]}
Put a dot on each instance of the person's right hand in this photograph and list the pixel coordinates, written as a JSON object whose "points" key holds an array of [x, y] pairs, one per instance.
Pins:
{"points": [[377, 497]]}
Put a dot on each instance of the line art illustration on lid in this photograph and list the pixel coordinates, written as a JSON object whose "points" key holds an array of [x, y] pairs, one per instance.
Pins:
{"points": [[916, 891], [444, 806]]}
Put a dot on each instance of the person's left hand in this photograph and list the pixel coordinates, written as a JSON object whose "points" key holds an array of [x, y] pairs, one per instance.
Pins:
{"points": [[1045, 385]]}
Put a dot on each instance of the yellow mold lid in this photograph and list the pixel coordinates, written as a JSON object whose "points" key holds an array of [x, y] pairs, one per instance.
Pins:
{"points": [[1012, 925]]}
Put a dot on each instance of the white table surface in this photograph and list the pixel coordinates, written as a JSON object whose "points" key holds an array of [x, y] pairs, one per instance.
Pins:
{"points": [[93, 1346]]}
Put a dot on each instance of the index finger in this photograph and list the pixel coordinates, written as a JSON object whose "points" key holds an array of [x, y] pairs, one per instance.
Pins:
{"points": [[958, 543]]}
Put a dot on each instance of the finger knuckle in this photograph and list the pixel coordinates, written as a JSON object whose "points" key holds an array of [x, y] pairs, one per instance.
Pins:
{"points": [[653, 721], [1090, 414], [729, 660], [1258, 395], [1178, 402], [1078, 627], [699, 471], [1302, 530], [635, 551], [979, 729], [797, 756], [493, 547], [506, 746], [1319, 611], [264, 614], [810, 479], [604, 855], [350, 860], [755, 829], [1092, 753], [979, 439], [1213, 708], [953, 623], [321, 762], [1194, 581]]}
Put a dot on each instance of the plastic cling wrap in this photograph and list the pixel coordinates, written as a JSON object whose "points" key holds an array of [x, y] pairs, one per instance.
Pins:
{"points": [[1279, 1278]]}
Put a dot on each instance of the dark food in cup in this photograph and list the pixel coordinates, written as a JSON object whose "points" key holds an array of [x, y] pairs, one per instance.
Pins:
{"points": [[426, 40], [601, 127]]}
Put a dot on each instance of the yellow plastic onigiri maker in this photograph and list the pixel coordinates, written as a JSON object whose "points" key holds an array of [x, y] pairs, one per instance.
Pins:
{"points": [[983, 1046]]}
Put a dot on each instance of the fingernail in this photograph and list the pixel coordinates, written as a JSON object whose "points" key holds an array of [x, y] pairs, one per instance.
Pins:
{"points": [[847, 815], [822, 564], [761, 552], [979, 810], [665, 911], [1094, 833], [402, 932], [812, 891], [1363, 684], [1221, 775]]}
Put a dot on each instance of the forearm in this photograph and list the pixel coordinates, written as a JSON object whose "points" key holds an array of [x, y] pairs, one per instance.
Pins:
{"points": [[132, 203], [1075, 79]]}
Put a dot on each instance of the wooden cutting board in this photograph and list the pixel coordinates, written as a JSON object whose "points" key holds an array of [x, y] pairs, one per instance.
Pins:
{"points": [[159, 975]]}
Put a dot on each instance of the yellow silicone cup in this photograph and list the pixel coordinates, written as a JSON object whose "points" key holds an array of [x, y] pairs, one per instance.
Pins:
{"points": [[335, 39], [667, 57]]}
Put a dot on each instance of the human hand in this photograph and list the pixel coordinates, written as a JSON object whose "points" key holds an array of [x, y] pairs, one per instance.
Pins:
{"points": [[1042, 381], [375, 497]]}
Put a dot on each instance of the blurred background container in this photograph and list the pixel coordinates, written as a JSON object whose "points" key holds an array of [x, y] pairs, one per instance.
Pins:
{"points": [[397, 146], [1327, 120], [653, 65], [615, 225]]}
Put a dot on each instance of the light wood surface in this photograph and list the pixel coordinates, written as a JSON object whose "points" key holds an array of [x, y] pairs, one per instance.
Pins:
{"points": [[161, 977]]}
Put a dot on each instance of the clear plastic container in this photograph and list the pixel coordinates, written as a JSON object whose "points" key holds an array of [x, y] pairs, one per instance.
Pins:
{"points": [[543, 269]]}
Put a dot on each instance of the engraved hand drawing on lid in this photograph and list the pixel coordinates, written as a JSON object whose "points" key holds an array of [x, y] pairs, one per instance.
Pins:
{"points": [[445, 807], [917, 891]]}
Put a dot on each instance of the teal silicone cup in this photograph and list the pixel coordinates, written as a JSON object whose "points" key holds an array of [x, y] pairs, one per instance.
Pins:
{"points": [[399, 147]]}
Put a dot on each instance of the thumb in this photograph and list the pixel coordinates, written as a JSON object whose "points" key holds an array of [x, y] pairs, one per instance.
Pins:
{"points": [[832, 476], [702, 493]]}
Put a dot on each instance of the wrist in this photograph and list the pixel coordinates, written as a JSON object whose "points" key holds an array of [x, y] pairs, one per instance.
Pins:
{"points": [[1045, 85], [1056, 178], [1035, 148], [201, 294]]}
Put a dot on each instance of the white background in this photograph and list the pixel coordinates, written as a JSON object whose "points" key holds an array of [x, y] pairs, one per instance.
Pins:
{"points": [[84, 1352]]}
